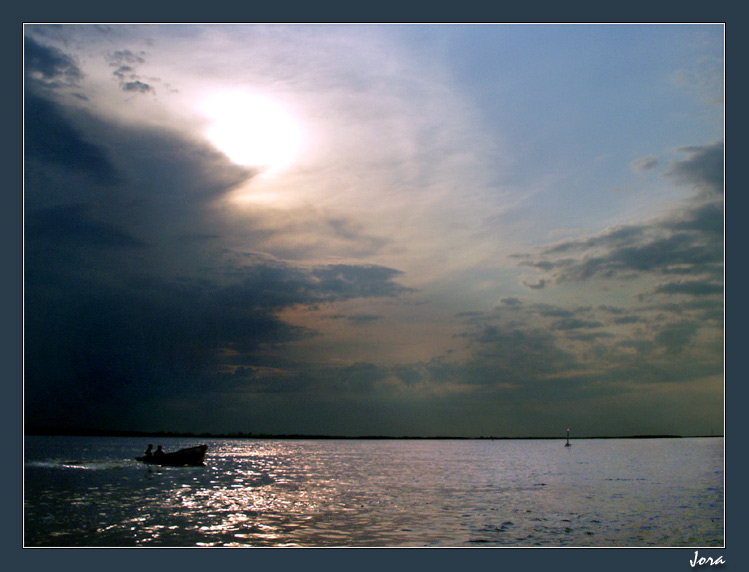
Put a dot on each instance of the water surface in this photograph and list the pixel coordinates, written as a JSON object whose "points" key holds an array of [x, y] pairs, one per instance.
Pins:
{"points": [[89, 491]]}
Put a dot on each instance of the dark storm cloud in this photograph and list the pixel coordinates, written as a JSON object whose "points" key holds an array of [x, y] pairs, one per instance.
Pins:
{"points": [[50, 138], [140, 296], [75, 225], [109, 332], [48, 67], [173, 171], [142, 185], [132, 341], [49, 135]]}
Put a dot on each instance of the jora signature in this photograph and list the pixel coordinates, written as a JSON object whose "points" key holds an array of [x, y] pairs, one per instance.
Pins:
{"points": [[702, 561]]}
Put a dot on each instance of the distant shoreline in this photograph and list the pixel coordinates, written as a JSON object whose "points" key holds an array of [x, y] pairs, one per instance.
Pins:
{"points": [[82, 432]]}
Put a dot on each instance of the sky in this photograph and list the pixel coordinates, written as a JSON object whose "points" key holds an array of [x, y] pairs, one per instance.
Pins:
{"points": [[465, 230]]}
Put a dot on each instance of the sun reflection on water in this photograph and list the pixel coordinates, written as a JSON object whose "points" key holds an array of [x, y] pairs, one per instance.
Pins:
{"points": [[285, 493], [251, 496]]}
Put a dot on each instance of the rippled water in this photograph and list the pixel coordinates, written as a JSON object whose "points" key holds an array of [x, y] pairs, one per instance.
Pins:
{"points": [[464, 493]]}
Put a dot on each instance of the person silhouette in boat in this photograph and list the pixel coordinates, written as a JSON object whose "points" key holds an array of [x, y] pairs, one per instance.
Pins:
{"points": [[159, 453], [149, 452]]}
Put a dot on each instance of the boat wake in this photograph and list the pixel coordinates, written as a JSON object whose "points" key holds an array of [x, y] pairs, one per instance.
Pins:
{"points": [[78, 465]]}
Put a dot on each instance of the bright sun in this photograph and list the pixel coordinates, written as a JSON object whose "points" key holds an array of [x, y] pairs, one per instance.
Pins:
{"points": [[252, 130]]}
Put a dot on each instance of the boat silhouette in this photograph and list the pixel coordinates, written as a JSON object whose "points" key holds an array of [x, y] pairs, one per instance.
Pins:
{"points": [[188, 457]]}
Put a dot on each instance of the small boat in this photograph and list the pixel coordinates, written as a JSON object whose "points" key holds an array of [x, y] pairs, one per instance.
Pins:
{"points": [[189, 457], [567, 444]]}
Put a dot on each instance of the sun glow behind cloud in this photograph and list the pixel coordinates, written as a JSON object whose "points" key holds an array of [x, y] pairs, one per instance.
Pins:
{"points": [[252, 130]]}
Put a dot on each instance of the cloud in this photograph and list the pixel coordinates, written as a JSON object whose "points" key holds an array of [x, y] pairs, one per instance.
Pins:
{"points": [[676, 337], [575, 324], [48, 67], [692, 288], [687, 241], [539, 285], [136, 86], [142, 289], [50, 138], [162, 277], [124, 62], [75, 225], [598, 352], [671, 265], [149, 339], [343, 281], [644, 164], [361, 319], [124, 59], [703, 168]]}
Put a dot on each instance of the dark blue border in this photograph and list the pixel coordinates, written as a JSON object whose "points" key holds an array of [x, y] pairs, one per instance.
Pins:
{"points": [[610, 560]]}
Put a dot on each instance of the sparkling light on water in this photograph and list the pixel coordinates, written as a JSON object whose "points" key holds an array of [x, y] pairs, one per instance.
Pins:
{"points": [[663, 492]]}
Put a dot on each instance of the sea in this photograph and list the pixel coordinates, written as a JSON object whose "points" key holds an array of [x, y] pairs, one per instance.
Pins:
{"points": [[459, 493]]}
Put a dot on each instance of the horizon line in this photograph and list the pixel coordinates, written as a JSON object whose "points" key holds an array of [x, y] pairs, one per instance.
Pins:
{"points": [[85, 432]]}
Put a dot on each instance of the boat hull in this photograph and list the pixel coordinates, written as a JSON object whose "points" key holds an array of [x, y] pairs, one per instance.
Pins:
{"points": [[189, 457]]}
